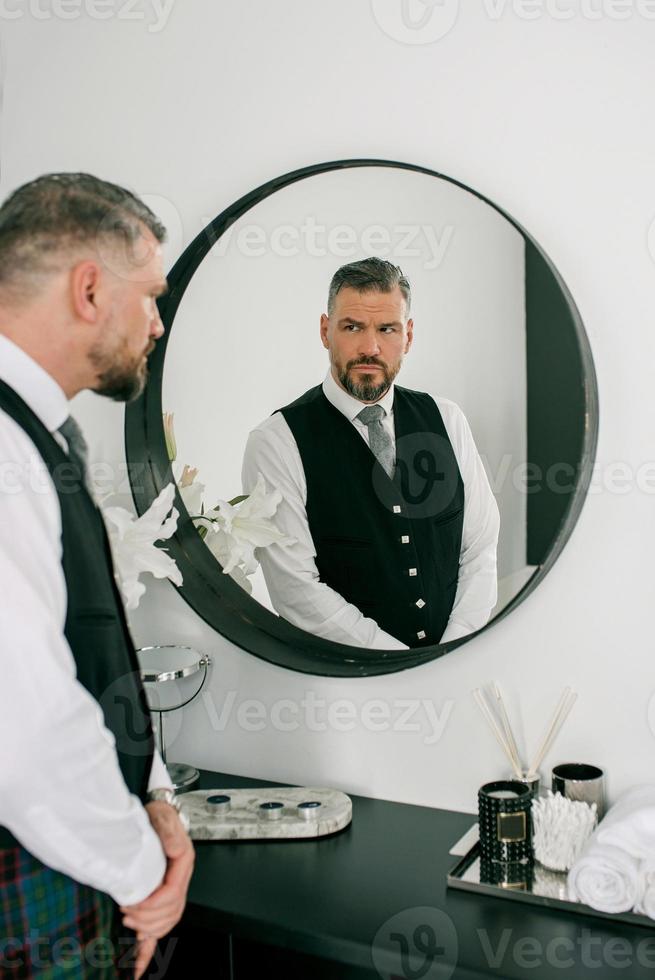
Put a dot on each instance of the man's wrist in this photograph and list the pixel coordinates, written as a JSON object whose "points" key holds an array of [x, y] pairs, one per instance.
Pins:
{"points": [[166, 795], [163, 794]]}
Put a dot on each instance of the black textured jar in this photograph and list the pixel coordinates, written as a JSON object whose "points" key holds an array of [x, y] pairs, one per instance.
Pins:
{"points": [[505, 822]]}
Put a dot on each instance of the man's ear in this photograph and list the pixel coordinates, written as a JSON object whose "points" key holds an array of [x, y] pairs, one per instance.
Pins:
{"points": [[325, 323], [84, 289], [410, 334]]}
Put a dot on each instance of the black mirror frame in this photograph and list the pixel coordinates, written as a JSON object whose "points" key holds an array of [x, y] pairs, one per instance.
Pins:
{"points": [[215, 597]]}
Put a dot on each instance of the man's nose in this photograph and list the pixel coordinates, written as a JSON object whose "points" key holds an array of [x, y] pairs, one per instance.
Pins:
{"points": [[369, 345], [156, 326]]}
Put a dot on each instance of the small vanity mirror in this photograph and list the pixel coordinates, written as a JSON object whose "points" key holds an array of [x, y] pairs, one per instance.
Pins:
{"points": [[168, 663], [494, 331], [158, 666]]}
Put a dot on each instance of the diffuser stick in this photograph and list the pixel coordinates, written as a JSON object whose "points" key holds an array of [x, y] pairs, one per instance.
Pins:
{"points": [[486, 711], [544, 742], [509, 734], [564, 706]]}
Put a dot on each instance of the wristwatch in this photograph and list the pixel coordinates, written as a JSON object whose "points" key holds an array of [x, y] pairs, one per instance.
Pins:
{"points": [[168, 796]]}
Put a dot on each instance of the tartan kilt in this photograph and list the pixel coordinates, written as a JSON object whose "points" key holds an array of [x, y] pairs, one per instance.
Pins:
{"points": [[53, 927]]}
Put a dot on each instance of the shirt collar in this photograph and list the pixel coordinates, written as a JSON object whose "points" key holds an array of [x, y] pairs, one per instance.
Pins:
{"points": [[33, 384], [346, 404]]}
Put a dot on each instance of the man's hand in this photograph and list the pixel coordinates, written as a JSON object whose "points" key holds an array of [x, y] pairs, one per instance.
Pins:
{"points": [[156, 915], [145, 952]]}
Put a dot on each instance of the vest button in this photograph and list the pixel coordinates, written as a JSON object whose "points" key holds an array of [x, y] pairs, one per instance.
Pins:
{"points": [[396, 508], [404, 539], [421, 634], [420, 603], [413, 572]]}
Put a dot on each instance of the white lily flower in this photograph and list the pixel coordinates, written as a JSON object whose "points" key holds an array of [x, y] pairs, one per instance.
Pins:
{"points": [[241, 579], [222, 548], [133, 548], [191, 490], [230, 551], [240, 528]]}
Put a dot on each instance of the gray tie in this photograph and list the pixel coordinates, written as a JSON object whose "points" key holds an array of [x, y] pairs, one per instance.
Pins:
{"points": [[77, 448], [378, 438]]}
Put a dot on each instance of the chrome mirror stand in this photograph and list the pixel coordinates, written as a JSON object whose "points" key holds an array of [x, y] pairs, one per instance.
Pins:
{"points": [[158, 664]]}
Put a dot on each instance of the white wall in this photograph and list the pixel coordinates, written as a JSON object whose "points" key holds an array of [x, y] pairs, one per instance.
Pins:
{"points": [[550, 118]]}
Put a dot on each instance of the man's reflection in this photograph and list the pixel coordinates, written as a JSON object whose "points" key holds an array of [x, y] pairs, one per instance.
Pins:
{"points": [[382, 487]]}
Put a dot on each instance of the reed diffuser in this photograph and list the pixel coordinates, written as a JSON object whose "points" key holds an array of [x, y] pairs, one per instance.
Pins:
{"points": [[495, 714]]}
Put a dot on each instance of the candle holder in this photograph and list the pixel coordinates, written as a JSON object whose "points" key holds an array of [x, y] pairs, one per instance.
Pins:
{"points": [[505, 822], [517, 876]]}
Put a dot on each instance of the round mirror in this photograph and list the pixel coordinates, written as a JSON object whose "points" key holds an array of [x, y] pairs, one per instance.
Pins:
{"points": [[492, 417]]}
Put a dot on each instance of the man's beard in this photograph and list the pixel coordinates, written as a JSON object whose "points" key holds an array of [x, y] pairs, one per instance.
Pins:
{"points": [[362, 386], [118, 380]]}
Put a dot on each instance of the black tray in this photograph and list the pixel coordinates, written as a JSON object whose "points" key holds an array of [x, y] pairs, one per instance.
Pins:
{"points": [[546, 888]]}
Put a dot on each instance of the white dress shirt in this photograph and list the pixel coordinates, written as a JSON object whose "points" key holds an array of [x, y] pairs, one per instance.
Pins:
{"points": [[290, 572], [62, 793]]}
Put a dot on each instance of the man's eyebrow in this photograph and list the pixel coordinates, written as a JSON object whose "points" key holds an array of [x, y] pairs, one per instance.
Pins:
{"points": [[360, 323]]}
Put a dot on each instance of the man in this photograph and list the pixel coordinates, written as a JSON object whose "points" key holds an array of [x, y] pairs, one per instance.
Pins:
{"points": [[80, 272], [395, 524]]}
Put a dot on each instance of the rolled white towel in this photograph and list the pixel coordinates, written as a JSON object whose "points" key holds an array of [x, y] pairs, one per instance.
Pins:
{"points": [[618, 865], [606, 878], [630, 824], [646, 905]]}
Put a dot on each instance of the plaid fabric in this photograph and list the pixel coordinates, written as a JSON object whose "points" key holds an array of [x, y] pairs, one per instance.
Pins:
{"points": [[52, 927]]}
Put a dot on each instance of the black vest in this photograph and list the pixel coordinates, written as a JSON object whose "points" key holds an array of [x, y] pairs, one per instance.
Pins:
{"points": [[390, 547], [96, 628]]}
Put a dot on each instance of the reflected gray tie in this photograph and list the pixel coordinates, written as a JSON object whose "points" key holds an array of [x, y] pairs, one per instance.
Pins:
{"points": [[378, 438], [78, 451]]}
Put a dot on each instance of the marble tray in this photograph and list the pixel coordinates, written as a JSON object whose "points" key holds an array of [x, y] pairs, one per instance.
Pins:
{"points": [[246, 821]]}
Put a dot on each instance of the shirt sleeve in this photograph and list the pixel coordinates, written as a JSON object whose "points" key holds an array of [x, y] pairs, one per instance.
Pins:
{"points": [[291, 575], [159, 778], [477, 585], [62, 793]]}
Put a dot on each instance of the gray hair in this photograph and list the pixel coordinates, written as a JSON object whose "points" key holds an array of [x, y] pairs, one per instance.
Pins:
{"points": [[369, 275], [59, 212]]}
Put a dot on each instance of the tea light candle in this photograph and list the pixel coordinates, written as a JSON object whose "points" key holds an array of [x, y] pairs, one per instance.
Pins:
{"points": [[219, 803], [271, 810], [308, 809]]}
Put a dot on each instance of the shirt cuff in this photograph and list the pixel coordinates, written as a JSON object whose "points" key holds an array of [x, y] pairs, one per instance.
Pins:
{"points": [[151, 871], [384, 641], [128, 877], [455, 631], [159, 778]]}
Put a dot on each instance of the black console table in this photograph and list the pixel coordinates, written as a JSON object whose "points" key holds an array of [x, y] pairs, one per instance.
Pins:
{"points": [[325, 908]]}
